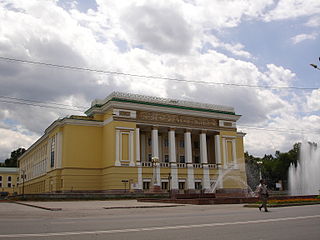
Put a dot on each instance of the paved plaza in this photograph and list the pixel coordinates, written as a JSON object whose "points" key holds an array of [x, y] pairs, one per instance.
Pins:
{"points": [[129, 219]]}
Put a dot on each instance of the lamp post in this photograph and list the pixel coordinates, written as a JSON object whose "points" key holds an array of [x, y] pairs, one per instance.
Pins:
{"points": [[169, 186]]}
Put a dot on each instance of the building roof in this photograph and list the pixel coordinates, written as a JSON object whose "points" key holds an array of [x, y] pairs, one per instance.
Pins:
{"points": [[163, 102]]}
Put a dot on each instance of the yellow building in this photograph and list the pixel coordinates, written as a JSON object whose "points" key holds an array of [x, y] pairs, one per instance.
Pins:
{"points": [[129, 142], [8, 180]]}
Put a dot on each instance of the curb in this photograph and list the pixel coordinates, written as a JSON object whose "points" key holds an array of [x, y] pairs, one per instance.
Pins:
{"points": [[35, 206], [160, 206]]}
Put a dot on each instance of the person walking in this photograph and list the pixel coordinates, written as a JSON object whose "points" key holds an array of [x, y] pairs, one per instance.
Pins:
{"points": [[263, 194]]}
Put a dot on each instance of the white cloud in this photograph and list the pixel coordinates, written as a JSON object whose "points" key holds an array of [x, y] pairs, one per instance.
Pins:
{"points": [[302, 37], [12, 139], [313, 21], [288, 9], [313, 101]]}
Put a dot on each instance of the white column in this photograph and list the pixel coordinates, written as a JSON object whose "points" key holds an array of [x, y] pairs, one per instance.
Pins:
{"points": [[137, 144], [155, 143], [131, 149], [173, 160], [234, 153], [155, 153], [217, 149], [117, 162], [218, 157], [188, 157], [204, 161], [224, 152], [188, 147], [203, 148], [138, 160]]}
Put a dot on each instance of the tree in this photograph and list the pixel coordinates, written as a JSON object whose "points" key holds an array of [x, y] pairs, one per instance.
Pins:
{"points": [[13, 160], [276, 168]]}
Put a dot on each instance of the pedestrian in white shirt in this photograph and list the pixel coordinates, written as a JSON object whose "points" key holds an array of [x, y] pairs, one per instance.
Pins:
{"points": [[263, 194]]}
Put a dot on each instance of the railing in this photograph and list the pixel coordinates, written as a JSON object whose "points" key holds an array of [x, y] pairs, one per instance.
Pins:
{"points": [[146, 164], [197, 165], [165, 164], [213, 165], [181, 165]]}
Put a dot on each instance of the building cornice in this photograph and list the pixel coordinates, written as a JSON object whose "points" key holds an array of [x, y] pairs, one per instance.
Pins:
{"points": [[158, 102], [145, 107]]}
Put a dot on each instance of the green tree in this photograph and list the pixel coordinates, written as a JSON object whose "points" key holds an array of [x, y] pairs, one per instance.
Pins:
{"points": [[276, 168], [13, 160]]}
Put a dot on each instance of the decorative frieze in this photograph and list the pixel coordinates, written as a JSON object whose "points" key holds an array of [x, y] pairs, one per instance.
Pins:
{"points": [[174, 119]]}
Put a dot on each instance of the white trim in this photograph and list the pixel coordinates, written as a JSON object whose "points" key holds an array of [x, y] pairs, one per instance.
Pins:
{"points": [[132, 114], [125, 128], [117, 163], [223, 122], [107, 121], [228, 136]]}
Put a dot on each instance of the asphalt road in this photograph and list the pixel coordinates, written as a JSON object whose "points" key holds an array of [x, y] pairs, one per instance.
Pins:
{"points": [[90, 220]]}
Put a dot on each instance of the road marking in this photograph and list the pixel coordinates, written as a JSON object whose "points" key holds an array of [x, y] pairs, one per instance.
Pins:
{"points": [[23, 235]]}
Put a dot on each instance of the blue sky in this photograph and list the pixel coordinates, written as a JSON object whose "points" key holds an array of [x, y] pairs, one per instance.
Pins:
{"points": [[244, 42]]}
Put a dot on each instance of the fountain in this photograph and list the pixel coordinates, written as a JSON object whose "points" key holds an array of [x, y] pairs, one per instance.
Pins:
{"points": [[304, 179]]}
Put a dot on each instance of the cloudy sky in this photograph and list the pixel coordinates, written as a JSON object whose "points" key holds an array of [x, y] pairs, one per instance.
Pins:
{"points": [[252, 55]]}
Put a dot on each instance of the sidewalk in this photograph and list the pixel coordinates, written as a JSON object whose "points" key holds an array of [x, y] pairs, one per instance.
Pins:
{"points": [[94, 205]]}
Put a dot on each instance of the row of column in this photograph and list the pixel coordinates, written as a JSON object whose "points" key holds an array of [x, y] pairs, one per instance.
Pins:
{"points": [[173, 160]]}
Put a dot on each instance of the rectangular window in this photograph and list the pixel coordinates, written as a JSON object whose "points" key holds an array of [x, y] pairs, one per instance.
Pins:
{"points": [[182, 159], [149, 157], [52, 160], [196, 159], [181, 185], [146, 185], [9, 184], [181, 143], [196, 145], [53, 143], [198, 185], [164, 185], [0, 178], [166, 158], [0, 184], [9, 178], [149, 141]]}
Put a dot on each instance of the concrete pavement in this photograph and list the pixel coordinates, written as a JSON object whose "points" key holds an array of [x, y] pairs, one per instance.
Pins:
{"points": [[90, 220]]}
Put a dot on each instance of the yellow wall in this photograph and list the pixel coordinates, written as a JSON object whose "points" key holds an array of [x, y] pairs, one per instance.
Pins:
{"points": [[4, 182], [82, 146]]}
